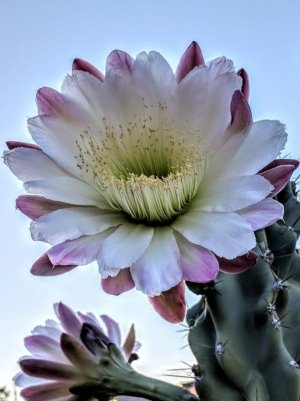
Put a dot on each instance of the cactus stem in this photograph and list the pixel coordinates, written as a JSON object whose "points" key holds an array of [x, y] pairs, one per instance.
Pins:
{"points": [[259, 362]]}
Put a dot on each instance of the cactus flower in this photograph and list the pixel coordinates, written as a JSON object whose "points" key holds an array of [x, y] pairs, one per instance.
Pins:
{"points": [[160, 177], [72, 354]]}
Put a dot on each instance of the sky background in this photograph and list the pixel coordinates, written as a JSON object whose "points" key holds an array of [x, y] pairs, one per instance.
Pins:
{"points": [[38, 41]]}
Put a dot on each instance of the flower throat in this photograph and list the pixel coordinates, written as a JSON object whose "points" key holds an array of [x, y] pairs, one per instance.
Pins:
{"points": [[148, 171]]}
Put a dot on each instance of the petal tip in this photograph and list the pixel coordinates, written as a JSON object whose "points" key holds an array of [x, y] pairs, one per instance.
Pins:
{"points": [[82, 65], [117, 285], [118, 60], [245, 82], [44, 267], [190, 59], [171, 305], [241, 116]]}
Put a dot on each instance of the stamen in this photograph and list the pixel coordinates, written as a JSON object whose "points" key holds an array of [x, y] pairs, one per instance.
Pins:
{"points": [[150, 172]]}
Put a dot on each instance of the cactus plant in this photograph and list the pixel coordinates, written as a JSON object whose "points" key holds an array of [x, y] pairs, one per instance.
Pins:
{"points": [[244, 332]]}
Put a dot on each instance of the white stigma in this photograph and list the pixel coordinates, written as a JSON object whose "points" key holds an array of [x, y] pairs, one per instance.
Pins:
{"points": [[150, 171]]}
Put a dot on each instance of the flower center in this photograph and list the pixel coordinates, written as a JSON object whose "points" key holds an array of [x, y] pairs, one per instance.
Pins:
{"points": [[148, 171]]}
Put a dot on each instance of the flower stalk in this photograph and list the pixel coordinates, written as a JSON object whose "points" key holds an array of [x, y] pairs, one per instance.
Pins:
{"points": [[117, 377]]}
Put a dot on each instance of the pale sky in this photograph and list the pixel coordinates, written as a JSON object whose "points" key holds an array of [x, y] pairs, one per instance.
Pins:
{"points": [[38, 41]]}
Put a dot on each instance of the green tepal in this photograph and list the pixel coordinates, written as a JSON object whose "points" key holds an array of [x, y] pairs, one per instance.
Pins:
{"points": [[245, 330]]}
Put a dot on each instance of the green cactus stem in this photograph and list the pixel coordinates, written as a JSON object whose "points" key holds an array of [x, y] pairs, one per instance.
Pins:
{"points": [[245, 330]]}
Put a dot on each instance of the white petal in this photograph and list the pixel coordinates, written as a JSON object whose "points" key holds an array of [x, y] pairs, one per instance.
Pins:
{"points": [[126, 245], [67, 189], [121, 100], [51, 332], [85, 89], [80, 251], [44, 347], [113, 330], [105, 270], [263, 214], [31, 164], [246, 154], [159, 269], [153, 76], [23, 380], [204, 97], [52, 323], [262, 145], [58, 137], [71, 223], [226, 234], [231, 193]]}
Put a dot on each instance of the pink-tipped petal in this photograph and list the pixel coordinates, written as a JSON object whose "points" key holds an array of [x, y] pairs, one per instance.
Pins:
{"points": [[199, 265], [75, 352], [159, 268], [113, 330], [129, 343], [278, 177], [47, 369], [80, 251], [117, 285], [88, 318], [44, 267], [241, 116], [23, 380], [48, 101], [262, 214], [119, 60], [34, 206], [82, 65], [203, 228], [246, 83], [45, 392], [190, 59], [239, 264], [16, 144], [68, 319], [44, 347], [281, 162], [171, 304], [51, 329]]}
